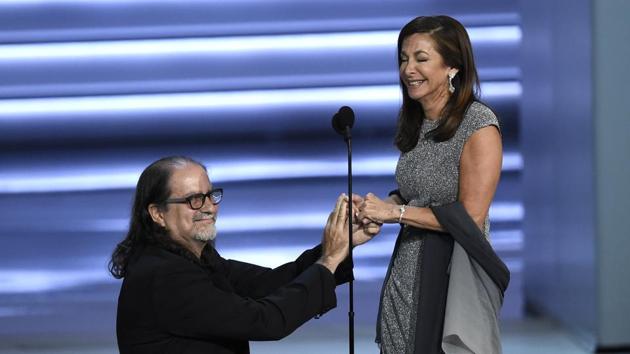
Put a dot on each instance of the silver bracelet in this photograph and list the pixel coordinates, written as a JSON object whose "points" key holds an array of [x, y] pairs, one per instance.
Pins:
{"points": [[402, 212]]}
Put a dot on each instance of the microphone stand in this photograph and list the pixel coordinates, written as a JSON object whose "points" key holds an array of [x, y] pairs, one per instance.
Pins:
{"points": [[348, 140], [342, 123]]}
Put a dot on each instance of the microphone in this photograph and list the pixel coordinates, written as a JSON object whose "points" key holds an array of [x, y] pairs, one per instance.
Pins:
{"points": [[343, 121]]}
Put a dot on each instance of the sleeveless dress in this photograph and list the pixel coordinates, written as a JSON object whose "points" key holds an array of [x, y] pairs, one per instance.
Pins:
{"points": [[428, 175]]}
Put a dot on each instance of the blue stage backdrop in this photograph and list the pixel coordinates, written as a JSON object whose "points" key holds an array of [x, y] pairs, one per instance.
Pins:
{"points": [[93, 91]]}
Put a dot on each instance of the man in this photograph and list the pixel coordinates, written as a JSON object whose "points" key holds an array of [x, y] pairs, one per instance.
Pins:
{"points": [[180, 296]]}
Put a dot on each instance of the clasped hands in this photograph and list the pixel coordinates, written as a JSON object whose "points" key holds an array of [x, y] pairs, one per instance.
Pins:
{"points": [[366, 222]]}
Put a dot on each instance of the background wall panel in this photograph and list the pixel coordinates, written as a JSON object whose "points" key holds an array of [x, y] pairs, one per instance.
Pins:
{"points": [[93, 91]]}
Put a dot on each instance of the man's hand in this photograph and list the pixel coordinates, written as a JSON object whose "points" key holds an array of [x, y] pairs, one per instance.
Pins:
{"points": [[335, 240]]}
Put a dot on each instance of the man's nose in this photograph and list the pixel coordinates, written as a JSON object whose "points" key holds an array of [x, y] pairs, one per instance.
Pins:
{"points": [[209, 207]]}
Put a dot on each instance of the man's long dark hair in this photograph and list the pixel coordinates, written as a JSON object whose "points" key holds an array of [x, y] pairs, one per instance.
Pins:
{"points": [[152, 188], [453, 44]]}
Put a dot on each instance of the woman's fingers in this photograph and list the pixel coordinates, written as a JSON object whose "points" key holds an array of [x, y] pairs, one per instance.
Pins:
{"points": [[372, 209]]}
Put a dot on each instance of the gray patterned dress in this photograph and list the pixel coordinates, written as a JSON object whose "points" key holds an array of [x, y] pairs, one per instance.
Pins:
{"points": [[427, 175]]}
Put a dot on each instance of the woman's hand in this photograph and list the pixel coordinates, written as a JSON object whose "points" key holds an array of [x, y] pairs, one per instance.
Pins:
{"points": [[361, 233], [374, 209]]}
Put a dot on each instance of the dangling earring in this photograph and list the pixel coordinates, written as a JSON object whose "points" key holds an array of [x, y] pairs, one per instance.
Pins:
{"points": [[451, 88]]}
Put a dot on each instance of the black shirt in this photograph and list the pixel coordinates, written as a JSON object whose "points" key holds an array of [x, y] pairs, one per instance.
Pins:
{"points": [[170, 304]]}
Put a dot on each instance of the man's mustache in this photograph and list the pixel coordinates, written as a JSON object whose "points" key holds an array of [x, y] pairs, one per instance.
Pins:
{"points": [[205, 216]]}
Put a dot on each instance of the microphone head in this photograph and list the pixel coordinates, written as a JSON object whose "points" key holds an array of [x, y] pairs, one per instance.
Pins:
{"points": [[342, 119]]}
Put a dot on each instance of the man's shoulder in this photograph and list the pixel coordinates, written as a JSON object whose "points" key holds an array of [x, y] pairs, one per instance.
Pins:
{"points": [[152, 259]]}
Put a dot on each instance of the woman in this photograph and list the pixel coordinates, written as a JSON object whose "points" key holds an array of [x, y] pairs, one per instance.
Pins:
{"points": [[450, 152]]}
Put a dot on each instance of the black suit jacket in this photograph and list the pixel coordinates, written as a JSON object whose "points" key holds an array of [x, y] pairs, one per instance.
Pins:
{"points": [[169, 304]]}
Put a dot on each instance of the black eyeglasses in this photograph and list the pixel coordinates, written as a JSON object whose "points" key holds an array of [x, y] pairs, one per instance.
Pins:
{"points": [[196, 201]]}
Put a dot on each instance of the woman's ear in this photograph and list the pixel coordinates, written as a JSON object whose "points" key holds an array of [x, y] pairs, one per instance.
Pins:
{"points": [[156, 214]]}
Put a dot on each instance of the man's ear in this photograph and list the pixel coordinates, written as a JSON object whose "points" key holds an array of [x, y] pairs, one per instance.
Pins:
{"points": [[156, 214]]}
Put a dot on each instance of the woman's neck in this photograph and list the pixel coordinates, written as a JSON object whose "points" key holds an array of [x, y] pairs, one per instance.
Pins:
{"points": [[433, 106]]}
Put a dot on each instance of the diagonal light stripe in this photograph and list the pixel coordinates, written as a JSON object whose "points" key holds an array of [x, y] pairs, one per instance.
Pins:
{"points": [[20, 281], [370, 265], [220, 45], [26, 281], [499, 212], [24, 108], [20, 109], [113, 177]]}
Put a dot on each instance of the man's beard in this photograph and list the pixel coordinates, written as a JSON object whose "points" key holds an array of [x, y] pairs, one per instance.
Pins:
{"points": [[208, 233]]}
